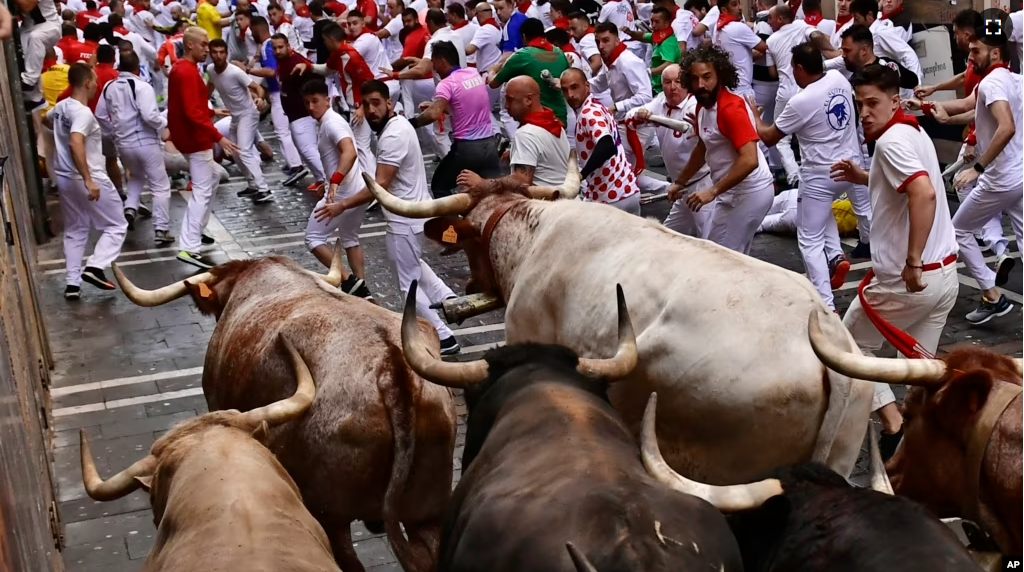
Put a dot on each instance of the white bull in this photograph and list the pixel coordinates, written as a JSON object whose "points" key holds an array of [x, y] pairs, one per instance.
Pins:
{"points": [[723, 338]]}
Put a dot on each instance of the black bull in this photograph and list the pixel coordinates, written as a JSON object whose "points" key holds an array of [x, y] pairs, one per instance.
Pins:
{"points": [[549, 461]]}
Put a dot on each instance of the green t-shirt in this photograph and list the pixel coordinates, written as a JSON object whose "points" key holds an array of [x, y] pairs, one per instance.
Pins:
{"points": [[667, 51], [532, 61]]}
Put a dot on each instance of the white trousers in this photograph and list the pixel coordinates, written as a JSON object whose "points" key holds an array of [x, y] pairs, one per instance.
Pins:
{"points": [[245, 134], [784, 145], [284, 135], [974, 213], [345, 226], [992, 233], [629, 204], [405, 249], [920, 314], [684, 221], [415, 92], [202, 169], [304, 136], [145, 165], [765, 94], [647, 138], [80, 215], [781, 217], [736, 218], [34, 43]]}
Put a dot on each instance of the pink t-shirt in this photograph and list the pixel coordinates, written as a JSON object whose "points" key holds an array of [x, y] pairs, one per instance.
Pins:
{"points": [[469, 103]]}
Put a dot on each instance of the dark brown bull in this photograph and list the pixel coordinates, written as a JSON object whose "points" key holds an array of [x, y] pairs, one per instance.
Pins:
{"points": [[961, 454], [548, 459], [377, 443], [221, 501]]}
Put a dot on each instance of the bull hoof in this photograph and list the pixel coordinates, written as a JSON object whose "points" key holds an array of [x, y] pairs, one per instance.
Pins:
{"points": [[374, 526]]}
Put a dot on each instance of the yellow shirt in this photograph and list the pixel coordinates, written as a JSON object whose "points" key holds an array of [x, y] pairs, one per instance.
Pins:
{"points": [[208, 18], [53, 83]]}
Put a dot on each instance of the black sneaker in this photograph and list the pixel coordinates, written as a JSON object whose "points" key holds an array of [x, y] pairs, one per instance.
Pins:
{"points": [[862, 251], [989, 309], [31, 106], [247, 192], [207, 239], [1003, 267], [144, 211], [295, 175], [194, 259], [354, 286], [95, 276], [72, 292], [129, 215], [450, 347], [262, 197], [888, 443]]}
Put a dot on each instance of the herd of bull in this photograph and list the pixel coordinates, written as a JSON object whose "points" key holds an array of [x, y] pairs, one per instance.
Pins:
{"points": [[718, 436]]}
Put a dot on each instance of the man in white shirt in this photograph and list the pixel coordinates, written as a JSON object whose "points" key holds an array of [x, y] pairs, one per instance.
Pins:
{"points": [[888, 41], [729, 147], [145, 50], [675, 102], [466, 30], [368, 45], [586, 44], [389, 33], [913, 283], [332, 215], [738, 40], [127, 110], [628, 79], [484, 48], [280, 25], [1017, 36], [237, 90], [686, 21], [844, 19], [621, 14], [88, 199], [822, 116], [1000, 179], [39, 31], [400, 170]]}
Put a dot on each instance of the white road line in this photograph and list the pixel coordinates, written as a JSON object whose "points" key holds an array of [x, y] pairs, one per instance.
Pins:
{"points": [[294, 234], [62, 391], [129, 253], [263, 247], [64, 411]]}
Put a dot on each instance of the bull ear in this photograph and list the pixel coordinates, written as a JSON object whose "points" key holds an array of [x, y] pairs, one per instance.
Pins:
{"points": [[965, 392], [144, 481], [261, 433], [205, 298], [450, 230]]}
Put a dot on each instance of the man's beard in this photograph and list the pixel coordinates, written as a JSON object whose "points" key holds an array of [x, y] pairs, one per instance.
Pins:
{"points": [[707, 99], [377, 125], [978, 69]]}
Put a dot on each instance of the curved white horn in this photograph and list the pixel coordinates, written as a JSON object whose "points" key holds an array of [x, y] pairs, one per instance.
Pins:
{"points": [[295, 406], [868, 368], [579, 560], [333, 276], [731, 498], [160, 296], [674, 124], [456, 204], [879, 478], [1020, 365], [570, 189], [117, 486], [430, 368], [625, 358]]}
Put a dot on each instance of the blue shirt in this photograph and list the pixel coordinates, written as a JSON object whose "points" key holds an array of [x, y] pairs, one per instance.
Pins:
{"points": [[511, 37], [269, 62]]}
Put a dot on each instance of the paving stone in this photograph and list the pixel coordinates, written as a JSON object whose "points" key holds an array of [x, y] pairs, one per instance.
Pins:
{"points": [[146, 425], [101, 418], [179, 383], [128, 391], [141, 542], [87, 509], [373, 551], [76, 399], [196, 403], [99, 529], [70, 437], [93, 554]]}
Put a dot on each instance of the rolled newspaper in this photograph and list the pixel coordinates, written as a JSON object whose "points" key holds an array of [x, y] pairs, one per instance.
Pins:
{"points": [[952, 169], [676, 124]]}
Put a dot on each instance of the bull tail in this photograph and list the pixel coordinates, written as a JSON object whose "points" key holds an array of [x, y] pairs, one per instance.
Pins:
{"points": [[400, 403], [840, 393]]}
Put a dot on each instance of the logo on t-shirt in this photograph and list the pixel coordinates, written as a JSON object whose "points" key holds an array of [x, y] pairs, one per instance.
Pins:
{"points": [[837, 111]]}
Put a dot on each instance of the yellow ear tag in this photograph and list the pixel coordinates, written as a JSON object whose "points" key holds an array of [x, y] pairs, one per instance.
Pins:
{"points": [[204, 291], [450, 236]]}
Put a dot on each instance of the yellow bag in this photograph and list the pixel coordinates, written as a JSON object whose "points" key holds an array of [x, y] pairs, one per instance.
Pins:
{"points": [[843, 211]]}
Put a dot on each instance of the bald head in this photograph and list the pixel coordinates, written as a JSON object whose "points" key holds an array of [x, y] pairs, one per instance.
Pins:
{"points": [[779, 16], [522, 97], [575, 87], [522, 86], [572, 74], [672, 85], [671, 72]]}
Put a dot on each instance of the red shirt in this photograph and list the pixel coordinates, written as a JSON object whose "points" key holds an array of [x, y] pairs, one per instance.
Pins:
{"points": [[369, 10], [105, 73], [415, 43], [188, 109], [353, 71], [79, 52], [336, 8], [87, 17]]}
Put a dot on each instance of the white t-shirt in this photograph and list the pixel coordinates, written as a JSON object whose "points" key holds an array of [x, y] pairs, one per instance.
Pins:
{"points": [[837, 36], [466, 34], [333, 130], [725, 128], [683, 26], [780, 46], [446, 34], [399, 147], [1017, 34], [823, 118], [710, 21], [737, 39], [393, 45], [1006, 172], [902, 154], [536, 147], [372, 49], [233, 86], [620, 13], [70, 116], [487, 52]]}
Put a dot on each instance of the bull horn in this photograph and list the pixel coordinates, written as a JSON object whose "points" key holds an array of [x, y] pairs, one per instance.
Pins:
{"points": [[731, 498], [293, 407], [455, 204], [625, 358], [1020, 365], [160, 296], [430, 368], [879, 478], [333, 276], [117, 486], [674, 124], [570, 189], [578, 559], [926, 372]]}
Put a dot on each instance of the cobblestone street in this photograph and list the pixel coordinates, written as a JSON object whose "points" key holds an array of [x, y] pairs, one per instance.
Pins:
{"points": [[127, 374]]}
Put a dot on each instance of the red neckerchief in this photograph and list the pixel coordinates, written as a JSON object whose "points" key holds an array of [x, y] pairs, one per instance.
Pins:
{"points": [[659, 36], [490, 21], [990, 69], [121, 30], [303, 11], [561, 23], [590, 30], [461, 25], [523, 7], [541, 43], [546, 120], [971, 79], [724, 20], [842, 20], [813, 19], [898, 117], [889, 15], [569, 49], [615, 54]]}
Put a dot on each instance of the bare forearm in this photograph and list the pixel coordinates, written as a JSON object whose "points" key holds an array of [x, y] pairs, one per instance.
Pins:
{"points": [[951, 84], [962, 119], [78, 156], [921, 203], [957, 106], [361, 198]]}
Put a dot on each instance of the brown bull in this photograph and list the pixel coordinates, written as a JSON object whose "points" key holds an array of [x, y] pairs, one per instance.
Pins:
{"points": [[377, 443], [961, 454], [221, 501]]}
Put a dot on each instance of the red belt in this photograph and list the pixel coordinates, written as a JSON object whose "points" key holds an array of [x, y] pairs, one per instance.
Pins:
{"points": [[936, 265]]}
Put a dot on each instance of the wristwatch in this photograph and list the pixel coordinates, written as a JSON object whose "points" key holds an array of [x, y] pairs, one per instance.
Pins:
{"points": [[979, 168]]}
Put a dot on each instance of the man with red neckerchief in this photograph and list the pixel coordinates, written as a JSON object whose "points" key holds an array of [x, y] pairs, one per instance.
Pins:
{"points": [[913, 283], [466, 30], [892, 10], [844, 19], [537, 56]]}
